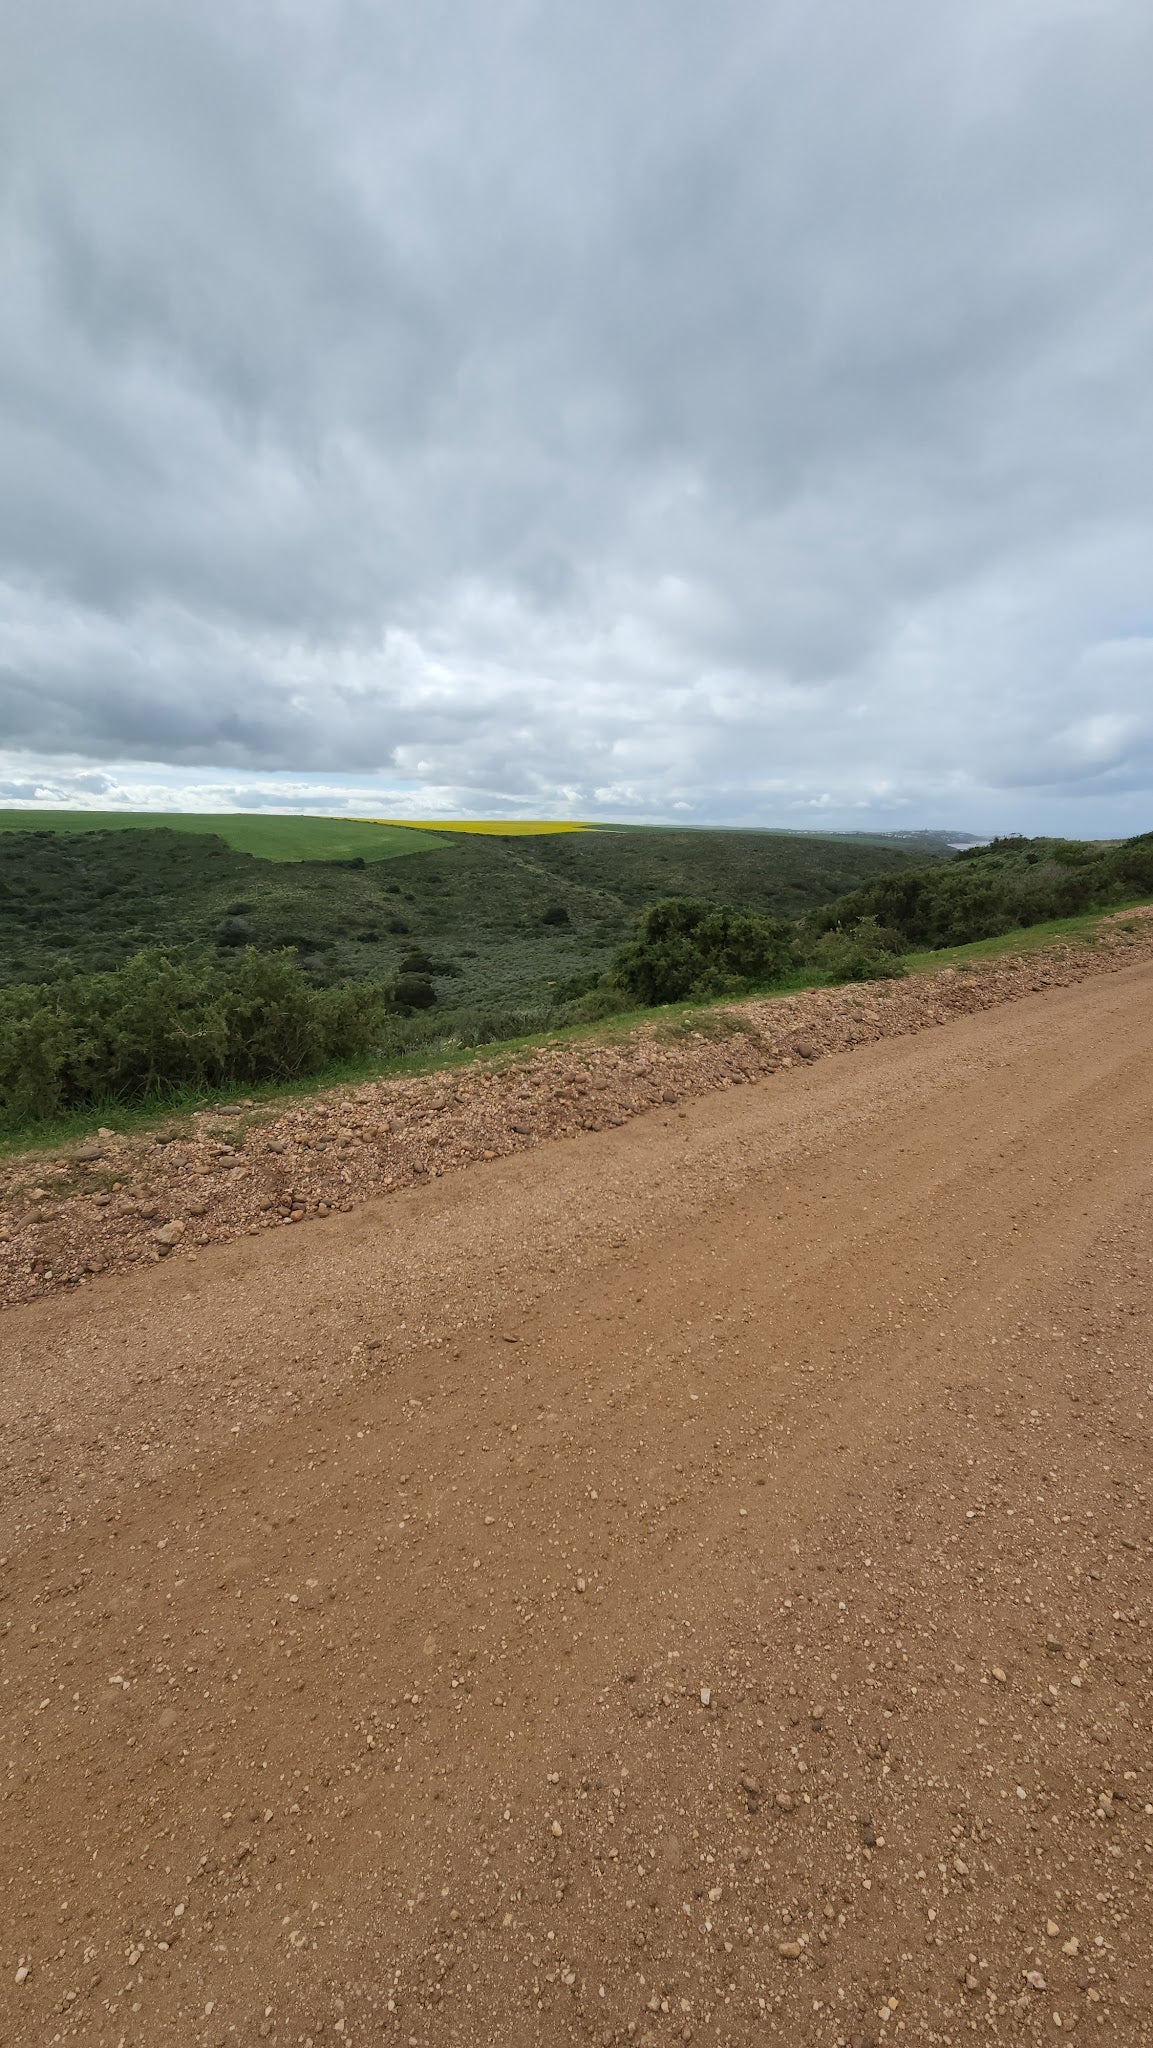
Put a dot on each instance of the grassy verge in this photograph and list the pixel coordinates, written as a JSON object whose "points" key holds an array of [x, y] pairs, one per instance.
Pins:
{"points": [[170, 1112]]}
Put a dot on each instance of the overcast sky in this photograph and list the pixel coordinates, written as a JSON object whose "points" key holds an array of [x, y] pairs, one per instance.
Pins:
{"points": [[735, 412]]}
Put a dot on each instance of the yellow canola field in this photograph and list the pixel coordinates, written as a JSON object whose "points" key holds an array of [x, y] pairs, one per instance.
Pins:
{"points": [[502, 828]]}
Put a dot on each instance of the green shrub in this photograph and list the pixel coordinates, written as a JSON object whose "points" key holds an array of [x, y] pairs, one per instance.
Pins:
{"points": [[413, 992], [1134, 863], [415, 961], [684, 949], [555, 914], [864, 951], [590, 1008], [155, 1025], [577, 985], [233, 931]]}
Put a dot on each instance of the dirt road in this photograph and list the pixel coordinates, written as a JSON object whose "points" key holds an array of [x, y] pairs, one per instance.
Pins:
{"points": [[689, 1582]]}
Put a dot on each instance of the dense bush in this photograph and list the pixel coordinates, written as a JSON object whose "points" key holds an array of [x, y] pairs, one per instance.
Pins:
{"points": [[413, 992], [577, 985], [988, 890], [1133, 863], [602, 1001], [684, 949], [864, 951], [155, 1025]]}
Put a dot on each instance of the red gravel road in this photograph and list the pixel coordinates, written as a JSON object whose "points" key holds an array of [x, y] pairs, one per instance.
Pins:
{"points": [[688, 1581]]}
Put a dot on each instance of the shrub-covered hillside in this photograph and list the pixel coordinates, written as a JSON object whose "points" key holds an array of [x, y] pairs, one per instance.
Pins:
{"points": [[512, 918]]}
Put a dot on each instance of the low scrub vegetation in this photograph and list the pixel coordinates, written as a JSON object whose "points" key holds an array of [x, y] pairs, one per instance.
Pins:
{"points": [[508, 919], [158, 1028], [683, 948], [1004, 887], [158, 1025], [861, 950]]}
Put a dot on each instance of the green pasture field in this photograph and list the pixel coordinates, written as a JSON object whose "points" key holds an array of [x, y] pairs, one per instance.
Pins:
{"points": [[253, 832]]}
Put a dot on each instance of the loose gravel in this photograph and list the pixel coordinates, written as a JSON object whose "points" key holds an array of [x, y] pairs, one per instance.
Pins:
{"points": [[687, 1585]]}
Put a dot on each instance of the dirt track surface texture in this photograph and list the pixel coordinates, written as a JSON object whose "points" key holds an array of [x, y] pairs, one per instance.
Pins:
{"points": [[685, 1582]]}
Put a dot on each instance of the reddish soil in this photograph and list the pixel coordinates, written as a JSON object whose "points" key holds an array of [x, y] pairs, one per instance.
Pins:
{"points": [[685, 1581]]}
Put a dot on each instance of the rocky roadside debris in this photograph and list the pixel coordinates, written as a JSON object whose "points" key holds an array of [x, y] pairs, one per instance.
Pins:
{"points": [[116, 1201]]}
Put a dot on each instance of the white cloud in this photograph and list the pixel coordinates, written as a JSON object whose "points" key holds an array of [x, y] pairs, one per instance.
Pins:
{"points": [[738, 413]]}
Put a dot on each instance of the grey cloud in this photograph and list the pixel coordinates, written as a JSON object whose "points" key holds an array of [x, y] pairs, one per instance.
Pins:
{"points": [[636, 405]]}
